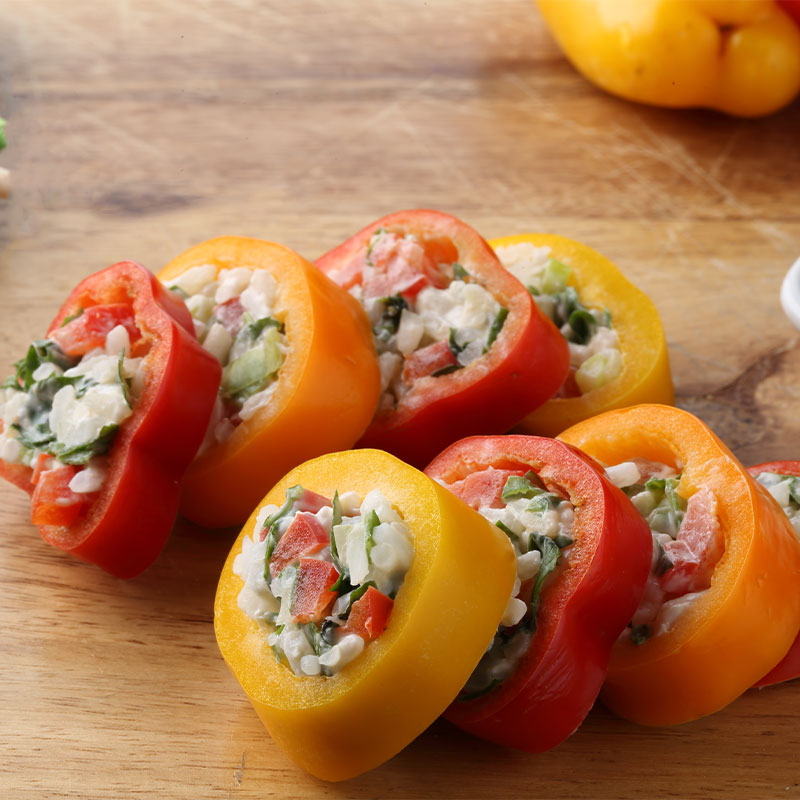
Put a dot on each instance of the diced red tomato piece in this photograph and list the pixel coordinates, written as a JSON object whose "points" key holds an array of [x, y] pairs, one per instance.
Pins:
{"points": [[427, 360], [230, 314], [369, 614], [90, 329], [698, 548], [484, 488], [311, 501], [39, 467], [53, 502], [399, 266], [304, 536], [312, 592]]}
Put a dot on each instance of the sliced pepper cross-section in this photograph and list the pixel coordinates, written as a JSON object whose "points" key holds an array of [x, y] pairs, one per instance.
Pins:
{"points": [[707, 642], [617, 345], [583, 556], [300, 375], [105, 414], [414, 653], [462, 347]]}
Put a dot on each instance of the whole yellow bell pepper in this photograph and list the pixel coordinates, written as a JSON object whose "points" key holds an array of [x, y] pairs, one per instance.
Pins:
{"points": [[645, 376], [737, 56], [444, 617]]}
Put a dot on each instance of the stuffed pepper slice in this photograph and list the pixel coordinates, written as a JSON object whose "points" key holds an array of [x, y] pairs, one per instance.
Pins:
{"points": [[295, 350], [618, 351], [329, 611], [782, 480], [462, 348], [583, 556], [104, 415], [724, 559]]}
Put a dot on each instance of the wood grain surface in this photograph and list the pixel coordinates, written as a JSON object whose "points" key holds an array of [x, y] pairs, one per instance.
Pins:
{"points": [[139, 128]]}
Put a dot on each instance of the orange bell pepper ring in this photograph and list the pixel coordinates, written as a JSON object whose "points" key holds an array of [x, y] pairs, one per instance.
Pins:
{"points": [[742, 58], [407, 674], [644, 376], [720, 645], [326, 388]]}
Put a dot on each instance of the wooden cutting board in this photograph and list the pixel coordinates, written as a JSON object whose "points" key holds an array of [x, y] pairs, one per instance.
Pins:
{"points": [[138, 129]]}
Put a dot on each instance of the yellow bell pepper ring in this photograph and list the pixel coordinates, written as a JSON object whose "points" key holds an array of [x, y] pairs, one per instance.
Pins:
{"points": [[742, 58], [444, 616], [645, 375]]}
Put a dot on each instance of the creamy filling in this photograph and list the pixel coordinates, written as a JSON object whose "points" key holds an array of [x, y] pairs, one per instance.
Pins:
{"points": [[595, 356], [321, 576], [61, 410], [428, 318], [687, 544], [786, 491], [539, 523], [237, 318]]}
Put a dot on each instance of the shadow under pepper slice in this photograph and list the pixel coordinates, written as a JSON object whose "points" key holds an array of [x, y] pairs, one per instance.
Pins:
{"points": [[406, 676], [645, 375], [581, 610], [720, 645]]}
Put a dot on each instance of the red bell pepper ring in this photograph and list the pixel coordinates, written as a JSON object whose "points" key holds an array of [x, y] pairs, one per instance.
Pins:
{"points": [[123, 527], [521, 369], [583, 609], [788, 668]]}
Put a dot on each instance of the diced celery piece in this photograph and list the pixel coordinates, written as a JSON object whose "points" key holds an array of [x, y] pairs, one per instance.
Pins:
{"points": [[254, 366], [598, 370], [200, 306], [555, 276]]}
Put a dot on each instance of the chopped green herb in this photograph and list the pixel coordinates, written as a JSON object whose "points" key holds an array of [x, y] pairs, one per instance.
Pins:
{"points": [[372, 240], [583, 325], [455, 348], [507, 531], [496, 326], [459, 273], [357, 594], [550, 555], [80, 454], [562, 540], [2, 133], [39, 353], [315, 639], [71, 317], [517, 486], [123, 381], [370, 524], [640, 634], [446, 370], [337, 515], [543, 501], [390, 319]]}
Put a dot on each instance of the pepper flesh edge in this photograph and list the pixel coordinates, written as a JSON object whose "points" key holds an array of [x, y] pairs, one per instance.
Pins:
{"points": [[444, 616], [744, 624]]}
